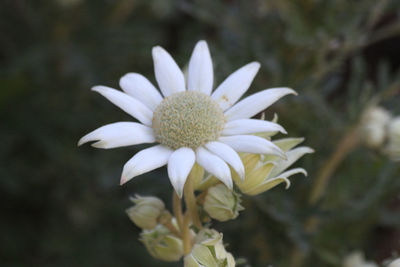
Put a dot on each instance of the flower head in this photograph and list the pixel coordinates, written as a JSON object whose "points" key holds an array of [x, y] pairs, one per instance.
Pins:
{"points": [[189, 121]]}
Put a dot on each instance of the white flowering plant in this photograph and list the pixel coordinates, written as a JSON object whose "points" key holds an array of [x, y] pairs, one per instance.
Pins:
{"points": [[209, 141]]}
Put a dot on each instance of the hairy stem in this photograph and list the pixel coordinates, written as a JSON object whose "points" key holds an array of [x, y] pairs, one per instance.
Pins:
{"points": [[168, 223], [187, 240], [177, 209], [190, 201], [191, 214]]}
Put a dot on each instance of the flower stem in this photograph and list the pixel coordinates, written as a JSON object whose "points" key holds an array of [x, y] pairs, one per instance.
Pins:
{"points": [[168, 223], [183, 223], [191, 214], [177, 209], [190, 201], [348, 143], [187, 240]]}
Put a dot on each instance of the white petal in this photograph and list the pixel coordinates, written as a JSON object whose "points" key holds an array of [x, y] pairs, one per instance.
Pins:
{"points": [[252, 144], [169, 76], [229, 155], [214, 165], [179, 165], [200, 72], [119, 134], [292, 156], [268, 184], [256, 103], [248, 126], [283, 177], [127, 103], [142, 89], [145, 161], [289, 173], [235, 85]]}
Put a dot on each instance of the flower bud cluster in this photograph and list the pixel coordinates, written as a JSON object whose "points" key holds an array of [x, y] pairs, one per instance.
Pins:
{"points": [[165, 240], [149, 213]]}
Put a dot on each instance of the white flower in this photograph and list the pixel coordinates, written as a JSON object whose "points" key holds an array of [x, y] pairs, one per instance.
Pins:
{"points": [[189, 122]]}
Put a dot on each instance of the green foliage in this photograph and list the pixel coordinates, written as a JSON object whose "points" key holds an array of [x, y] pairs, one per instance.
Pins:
{"points": [[63, 207]]}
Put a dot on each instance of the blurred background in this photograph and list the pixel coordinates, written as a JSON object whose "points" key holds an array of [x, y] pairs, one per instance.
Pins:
{"points": [[62, 205]]}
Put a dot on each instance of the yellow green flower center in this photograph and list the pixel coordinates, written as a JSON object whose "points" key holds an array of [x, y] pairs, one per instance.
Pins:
{"points": [[187, 119]]}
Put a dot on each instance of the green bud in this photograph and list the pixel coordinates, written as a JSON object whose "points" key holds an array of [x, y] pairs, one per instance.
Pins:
{"points": [[221, 203], [146, 211], [162, 244], [209, 251]]}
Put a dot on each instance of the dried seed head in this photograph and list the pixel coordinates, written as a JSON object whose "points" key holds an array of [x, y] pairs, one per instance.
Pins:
{"points": [[187, 119]]}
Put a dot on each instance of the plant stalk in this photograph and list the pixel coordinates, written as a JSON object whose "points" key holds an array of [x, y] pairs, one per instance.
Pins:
{"points": [[190, 201], [348, 143], [177, 209]]}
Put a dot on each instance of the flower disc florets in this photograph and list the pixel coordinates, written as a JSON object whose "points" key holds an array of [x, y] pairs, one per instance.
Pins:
{"points": [[187, 119]]}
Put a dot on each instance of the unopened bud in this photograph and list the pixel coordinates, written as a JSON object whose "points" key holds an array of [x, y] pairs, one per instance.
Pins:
{"points": [[209, 251], [265, 172], [162, 244], [221, 203], [356, 259], [146, 211], [395, 263], [373, 126]]}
